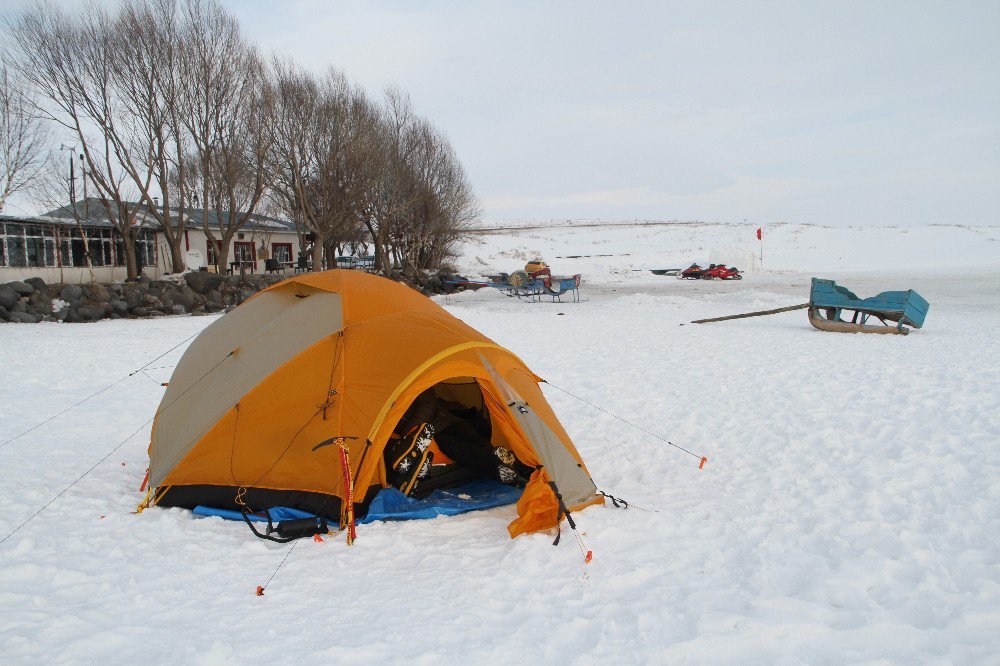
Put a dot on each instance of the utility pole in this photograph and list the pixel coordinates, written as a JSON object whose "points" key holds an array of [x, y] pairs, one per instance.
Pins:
{"points": [[76, 213], [83, 175]]}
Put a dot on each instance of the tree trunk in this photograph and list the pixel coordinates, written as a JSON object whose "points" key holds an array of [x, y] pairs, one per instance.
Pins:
{"points": [[222, 253], [131, 265], [317, 253], [176, 258]]}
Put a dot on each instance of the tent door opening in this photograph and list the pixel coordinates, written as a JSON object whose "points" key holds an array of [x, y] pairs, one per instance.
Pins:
{"points": [[456, 446]]}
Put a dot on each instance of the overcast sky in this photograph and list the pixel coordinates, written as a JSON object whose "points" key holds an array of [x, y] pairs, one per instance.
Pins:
{"points": [[824, 112]]}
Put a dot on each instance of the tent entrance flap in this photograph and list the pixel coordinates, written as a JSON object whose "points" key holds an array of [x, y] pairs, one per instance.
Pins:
{"points": [[574, 483]]}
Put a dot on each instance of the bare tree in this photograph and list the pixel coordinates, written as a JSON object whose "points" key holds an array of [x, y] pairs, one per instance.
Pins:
{"points": [[147, 78], [320, 159], [24, 139], [71, 61], [422, 199], [390, 198], [226, 116], [444, 204]]}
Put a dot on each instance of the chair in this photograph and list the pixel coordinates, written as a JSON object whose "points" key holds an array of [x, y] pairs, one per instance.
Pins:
{"points": [[273, 266]]}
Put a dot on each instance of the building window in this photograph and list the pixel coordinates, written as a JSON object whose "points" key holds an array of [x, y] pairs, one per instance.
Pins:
{"points": [[35, 246], [282, 252], [98, 246], [145, 248], [245, 253], [27, 245]]}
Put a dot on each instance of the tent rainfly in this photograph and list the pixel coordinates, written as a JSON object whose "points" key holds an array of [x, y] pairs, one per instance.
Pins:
{"points": [[340, 355]]}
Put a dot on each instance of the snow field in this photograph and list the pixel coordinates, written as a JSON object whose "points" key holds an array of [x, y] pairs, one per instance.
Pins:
{"points": [[847, 513]]}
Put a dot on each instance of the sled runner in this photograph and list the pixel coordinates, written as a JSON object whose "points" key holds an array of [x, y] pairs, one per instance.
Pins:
{"points": [[829, 305]]}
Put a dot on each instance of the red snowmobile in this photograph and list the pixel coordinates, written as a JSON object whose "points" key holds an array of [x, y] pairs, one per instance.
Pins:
{"points": [[692, 272], [720, 272]]}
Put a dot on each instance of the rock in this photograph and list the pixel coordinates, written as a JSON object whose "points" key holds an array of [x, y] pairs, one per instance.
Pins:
{"points": [[8, 297], [203, 282], [165, 309], [213, 307], [91, 313], [133, 297], [25, 318], [185, 296], [61, 315], [214, 297], [4, 313], [71, 293], [22, 288], [156, 313], [140, 311], [49, 318], [41, 302], [20, 306], [119, 308], [179, 310], [96, 292], [39, 284]]}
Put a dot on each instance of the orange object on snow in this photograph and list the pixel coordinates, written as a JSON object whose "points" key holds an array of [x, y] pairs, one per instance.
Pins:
{"points": [[335, 355]]}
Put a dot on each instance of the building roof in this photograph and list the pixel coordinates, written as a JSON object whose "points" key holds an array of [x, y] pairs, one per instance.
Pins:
{"points": [[93, 214]]}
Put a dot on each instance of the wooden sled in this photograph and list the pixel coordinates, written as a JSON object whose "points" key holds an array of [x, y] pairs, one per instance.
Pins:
{"points": [[828, 304]]}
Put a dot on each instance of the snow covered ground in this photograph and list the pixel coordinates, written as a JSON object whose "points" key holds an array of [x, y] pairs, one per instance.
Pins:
{"points": [[849, 511]]}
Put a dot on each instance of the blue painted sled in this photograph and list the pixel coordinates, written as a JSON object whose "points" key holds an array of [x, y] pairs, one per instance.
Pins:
{"points": [[828, 305]]}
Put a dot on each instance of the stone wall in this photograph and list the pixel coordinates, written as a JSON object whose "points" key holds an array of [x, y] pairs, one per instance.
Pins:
{"points": [[33, 300]]}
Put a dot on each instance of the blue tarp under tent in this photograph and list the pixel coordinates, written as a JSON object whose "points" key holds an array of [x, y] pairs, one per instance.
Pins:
{"points": [[390, 504]]}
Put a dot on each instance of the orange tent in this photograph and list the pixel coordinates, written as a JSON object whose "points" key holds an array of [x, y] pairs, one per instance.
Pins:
{"points": [[253, 404]]}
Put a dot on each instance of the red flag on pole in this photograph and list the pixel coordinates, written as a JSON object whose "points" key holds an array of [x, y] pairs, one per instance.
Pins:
{"points": [[758, 233]]}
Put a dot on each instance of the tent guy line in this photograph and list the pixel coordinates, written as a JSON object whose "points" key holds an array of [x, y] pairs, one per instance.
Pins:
{"points": [[94, 395], [110, 453], [703, 459], [66, 489]]}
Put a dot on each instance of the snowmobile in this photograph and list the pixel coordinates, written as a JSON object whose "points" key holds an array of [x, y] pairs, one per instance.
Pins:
{"points": [[721, 272], [692, 272]]}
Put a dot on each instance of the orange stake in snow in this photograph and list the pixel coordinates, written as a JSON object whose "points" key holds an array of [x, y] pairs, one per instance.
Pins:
{"points": [[260, 590], [704, 460]]}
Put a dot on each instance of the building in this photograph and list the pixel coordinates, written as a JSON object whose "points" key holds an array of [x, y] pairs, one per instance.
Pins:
{"points": [[51, 246]]}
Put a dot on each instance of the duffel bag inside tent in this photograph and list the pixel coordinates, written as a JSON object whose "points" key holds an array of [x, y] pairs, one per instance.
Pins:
{"points": [[339, 356]]}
